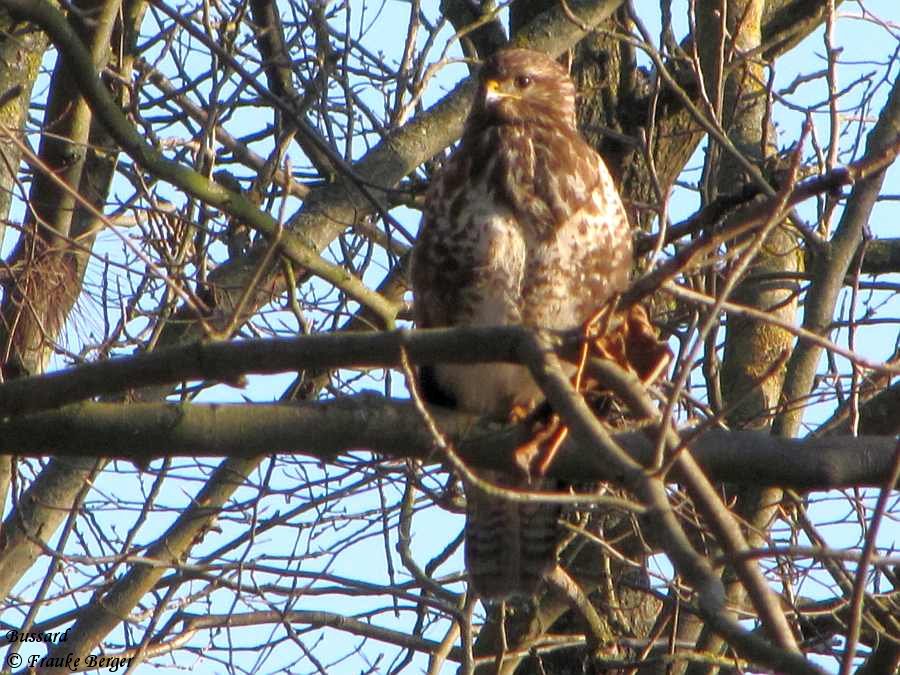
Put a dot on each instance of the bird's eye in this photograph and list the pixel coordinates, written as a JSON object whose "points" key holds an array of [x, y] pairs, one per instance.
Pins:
{"points": [[523, 82]]}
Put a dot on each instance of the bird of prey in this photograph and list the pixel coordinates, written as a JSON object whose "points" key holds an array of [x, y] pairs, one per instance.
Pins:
{"points": [[522, 225]]}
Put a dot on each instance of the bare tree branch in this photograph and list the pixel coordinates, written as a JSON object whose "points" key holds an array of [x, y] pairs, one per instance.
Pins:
{"points": [[369, 422]]}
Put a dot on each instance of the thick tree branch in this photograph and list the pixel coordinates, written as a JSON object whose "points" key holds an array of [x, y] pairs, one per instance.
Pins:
{"points": [[227, 361], [882, 257], [368, 422], [786, 22]]}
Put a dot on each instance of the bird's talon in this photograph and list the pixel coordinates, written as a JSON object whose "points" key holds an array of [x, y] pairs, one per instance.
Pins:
{"points": [[534, 457], [524, 457], [519, 412]]}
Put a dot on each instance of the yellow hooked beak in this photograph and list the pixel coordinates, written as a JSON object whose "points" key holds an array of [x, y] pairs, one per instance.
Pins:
{"points": [[493, 91]]}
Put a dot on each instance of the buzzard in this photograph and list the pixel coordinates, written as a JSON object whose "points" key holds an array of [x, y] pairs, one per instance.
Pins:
{"points": [[522, 225]]}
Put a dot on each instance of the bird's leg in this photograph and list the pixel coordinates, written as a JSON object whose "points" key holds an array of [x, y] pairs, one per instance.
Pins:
{"points": [[533, 456], [536, 456], [556, 432], [525, 455], [583, 351], [519, 412]]}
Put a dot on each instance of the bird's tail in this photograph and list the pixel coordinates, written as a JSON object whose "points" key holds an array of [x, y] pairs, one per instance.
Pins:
{"points": [[510, 545]]}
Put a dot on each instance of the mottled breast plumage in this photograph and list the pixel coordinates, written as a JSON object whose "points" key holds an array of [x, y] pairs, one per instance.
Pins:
{"points": [[523, 224]]}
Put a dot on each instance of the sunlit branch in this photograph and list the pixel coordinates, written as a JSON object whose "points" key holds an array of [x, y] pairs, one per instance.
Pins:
{"points": [[393, 429]]}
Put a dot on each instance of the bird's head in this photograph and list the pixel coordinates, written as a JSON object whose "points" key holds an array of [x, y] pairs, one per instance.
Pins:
{"points": [[521, 85]]}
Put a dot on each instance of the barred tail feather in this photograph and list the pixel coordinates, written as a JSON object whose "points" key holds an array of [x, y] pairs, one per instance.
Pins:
{"points": [[510, 545]]}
